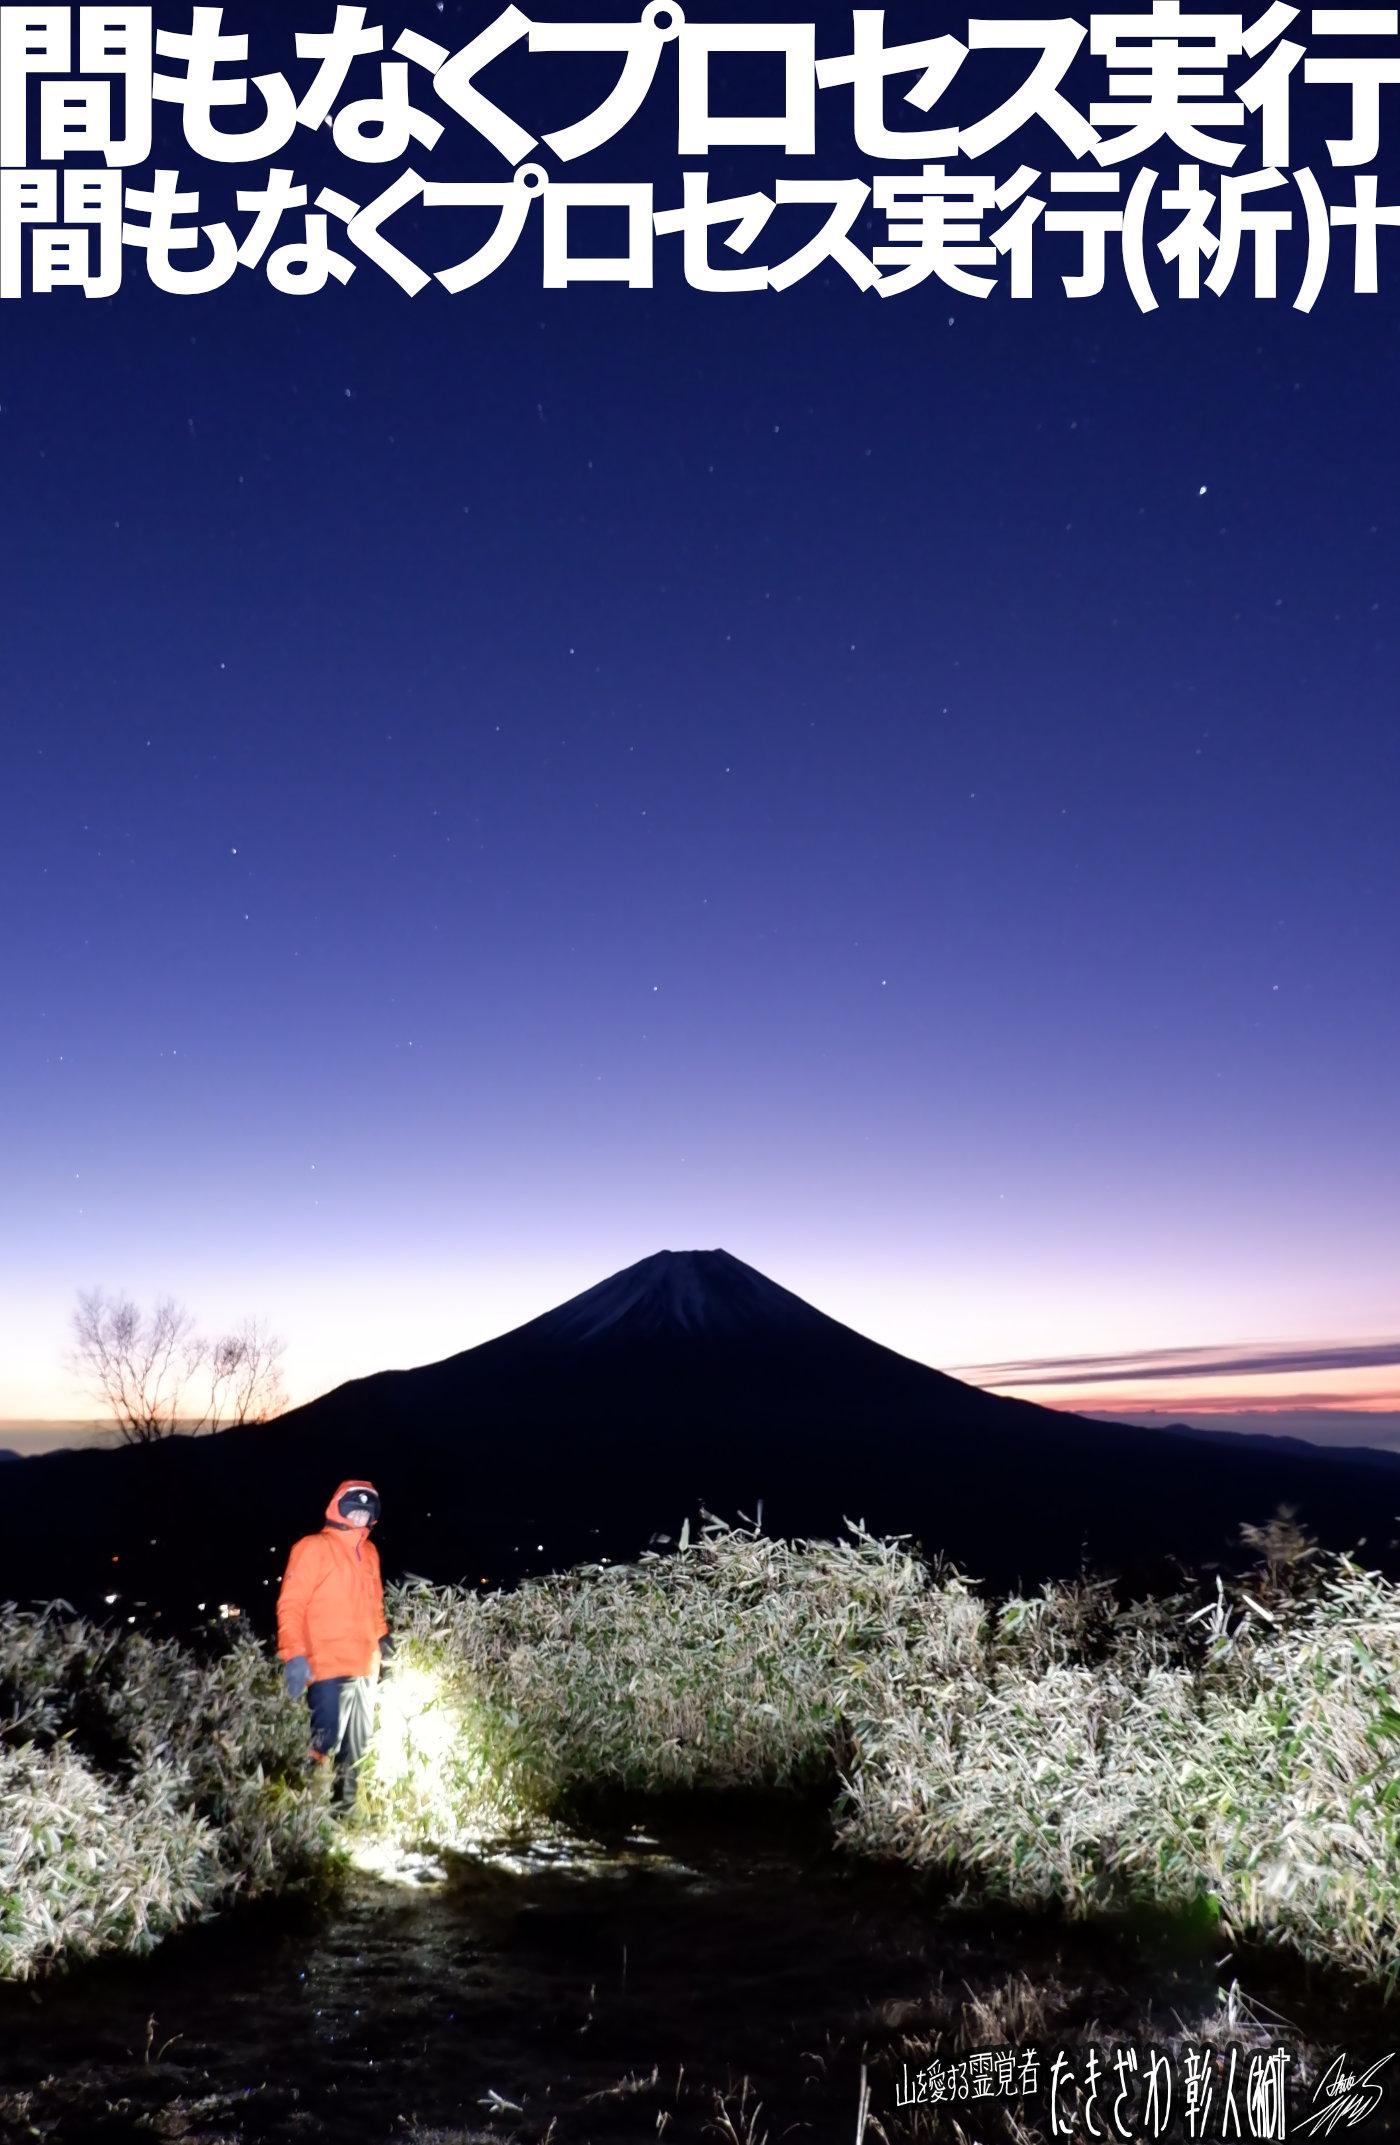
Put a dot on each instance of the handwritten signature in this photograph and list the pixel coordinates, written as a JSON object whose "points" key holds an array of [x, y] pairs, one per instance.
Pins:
{"points": [[1346, 2098]]}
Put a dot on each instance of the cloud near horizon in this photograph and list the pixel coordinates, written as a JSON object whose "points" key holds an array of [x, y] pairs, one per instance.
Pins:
{"points": [[1243, 1360]]}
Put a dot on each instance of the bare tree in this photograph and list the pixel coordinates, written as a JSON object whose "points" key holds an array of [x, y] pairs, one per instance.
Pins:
{"points": [[245, 1376], [137, 1364], [147, 1367]]}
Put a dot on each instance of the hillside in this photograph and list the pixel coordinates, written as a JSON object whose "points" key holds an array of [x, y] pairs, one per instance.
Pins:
{"points": [[687, 1382]]}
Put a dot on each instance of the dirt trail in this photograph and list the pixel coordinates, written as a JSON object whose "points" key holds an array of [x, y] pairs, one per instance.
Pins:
{"points": [[659, 1988]]}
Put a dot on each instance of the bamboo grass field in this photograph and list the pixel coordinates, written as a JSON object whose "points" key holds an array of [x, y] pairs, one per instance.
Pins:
{"points": [[1228, 1754], [140, 1787]]}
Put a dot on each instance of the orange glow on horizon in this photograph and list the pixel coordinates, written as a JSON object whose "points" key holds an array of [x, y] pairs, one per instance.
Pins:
{"points": [[1357, 1393]]}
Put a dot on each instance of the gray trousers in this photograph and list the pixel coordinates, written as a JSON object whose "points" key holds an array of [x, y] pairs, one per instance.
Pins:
{"points": [[342, 1718]]}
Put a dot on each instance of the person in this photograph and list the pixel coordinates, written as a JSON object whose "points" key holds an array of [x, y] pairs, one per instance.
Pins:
{"points": [[331, 1634]]}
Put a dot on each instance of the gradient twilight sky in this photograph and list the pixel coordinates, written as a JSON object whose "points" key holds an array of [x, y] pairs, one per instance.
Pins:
{"points": [[490, 787]]}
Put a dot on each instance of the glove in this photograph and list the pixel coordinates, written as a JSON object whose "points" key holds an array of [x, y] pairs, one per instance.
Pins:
{"points": [[386, 1655], [296, 1674]]}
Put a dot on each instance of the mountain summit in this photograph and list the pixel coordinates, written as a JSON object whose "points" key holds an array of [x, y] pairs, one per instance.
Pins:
{"points": [[685, 1383], [686, 1350], [700, 1293]]}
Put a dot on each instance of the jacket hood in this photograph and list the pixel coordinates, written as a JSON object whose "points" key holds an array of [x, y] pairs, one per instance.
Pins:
{"points": [[333, 1518]]}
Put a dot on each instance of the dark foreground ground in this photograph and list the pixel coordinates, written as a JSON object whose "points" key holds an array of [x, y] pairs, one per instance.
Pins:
{"points": [[718, 1975]]}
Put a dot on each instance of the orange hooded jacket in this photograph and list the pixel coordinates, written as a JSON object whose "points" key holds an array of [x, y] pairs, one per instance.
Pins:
{"points": [[331, 1607]]}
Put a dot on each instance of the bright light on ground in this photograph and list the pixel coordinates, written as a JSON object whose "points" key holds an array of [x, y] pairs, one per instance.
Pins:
{"points": [[393, 1864], [416, 1727], [425, 1780]]}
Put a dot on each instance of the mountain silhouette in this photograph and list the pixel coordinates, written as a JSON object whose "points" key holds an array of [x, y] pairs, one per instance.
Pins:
{"points": [[686, 1383], [677, 1292]]}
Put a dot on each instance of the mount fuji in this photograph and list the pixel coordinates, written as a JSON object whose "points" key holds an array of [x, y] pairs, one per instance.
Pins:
{"points": [[688, 1382]]}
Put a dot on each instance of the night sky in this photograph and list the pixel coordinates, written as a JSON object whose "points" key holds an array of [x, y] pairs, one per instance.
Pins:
{"points": [[904, 790]]}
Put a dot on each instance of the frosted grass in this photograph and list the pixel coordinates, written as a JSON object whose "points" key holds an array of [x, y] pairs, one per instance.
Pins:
{"points": [[1232, 1757]]}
